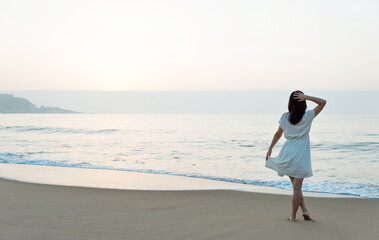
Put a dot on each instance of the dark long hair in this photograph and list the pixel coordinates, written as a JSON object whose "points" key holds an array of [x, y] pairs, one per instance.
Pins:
{"points": [[296, 108]]}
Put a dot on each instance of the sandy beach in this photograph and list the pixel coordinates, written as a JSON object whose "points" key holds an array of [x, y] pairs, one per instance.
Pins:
{"points": [[37, 211]]}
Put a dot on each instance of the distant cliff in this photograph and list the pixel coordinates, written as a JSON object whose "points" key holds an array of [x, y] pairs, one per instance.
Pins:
{"points": [[11, 104]]}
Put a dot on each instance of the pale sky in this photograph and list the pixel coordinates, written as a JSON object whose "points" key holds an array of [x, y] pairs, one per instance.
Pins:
{"points": [[189, 45]]}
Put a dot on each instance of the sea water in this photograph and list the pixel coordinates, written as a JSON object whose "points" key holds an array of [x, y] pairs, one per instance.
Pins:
{"points": [[230, 147]]}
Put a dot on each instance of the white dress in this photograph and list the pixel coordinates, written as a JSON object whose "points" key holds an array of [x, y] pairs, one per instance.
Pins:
{"points": [[294, 158]]}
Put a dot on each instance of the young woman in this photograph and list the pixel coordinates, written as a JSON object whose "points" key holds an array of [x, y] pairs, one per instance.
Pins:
{"points": [[294, 159]]}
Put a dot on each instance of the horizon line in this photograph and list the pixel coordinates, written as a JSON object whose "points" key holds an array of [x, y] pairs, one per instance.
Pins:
{"points": [[193, 91]]}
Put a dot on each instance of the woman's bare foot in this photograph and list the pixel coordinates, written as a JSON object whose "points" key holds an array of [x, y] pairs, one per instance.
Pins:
{"points": [[292, 219], [307, 217]]}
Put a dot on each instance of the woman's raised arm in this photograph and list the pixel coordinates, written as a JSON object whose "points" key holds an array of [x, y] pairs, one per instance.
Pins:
{"points": [[320, 102]]}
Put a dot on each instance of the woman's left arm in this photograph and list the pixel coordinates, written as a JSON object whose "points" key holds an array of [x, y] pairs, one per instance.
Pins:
{"points": [[275, 139]]}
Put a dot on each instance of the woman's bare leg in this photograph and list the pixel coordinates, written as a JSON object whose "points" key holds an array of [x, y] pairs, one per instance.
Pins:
{"points": [[296, 198], [302, 204]]}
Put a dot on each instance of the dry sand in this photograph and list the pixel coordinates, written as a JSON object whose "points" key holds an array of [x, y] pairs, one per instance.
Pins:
{"points": [[35, 211]]}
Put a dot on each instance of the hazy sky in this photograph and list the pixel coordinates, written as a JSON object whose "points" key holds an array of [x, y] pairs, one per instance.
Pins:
{"points": [[189, 45]]}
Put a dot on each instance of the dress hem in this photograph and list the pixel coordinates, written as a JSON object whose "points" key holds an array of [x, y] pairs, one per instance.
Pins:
{"points": [[280, 174]]}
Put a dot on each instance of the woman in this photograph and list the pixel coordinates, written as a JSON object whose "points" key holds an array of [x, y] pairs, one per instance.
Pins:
{"points": [[294, 159]]}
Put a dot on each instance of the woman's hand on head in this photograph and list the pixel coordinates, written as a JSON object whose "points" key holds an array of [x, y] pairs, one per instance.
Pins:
{"points": [[299, 96]]}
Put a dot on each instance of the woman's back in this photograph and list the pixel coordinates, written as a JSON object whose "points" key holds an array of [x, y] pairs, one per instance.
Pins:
{"points": [[299, 130]]}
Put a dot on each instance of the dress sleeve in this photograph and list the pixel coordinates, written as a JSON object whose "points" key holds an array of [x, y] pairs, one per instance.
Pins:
{"points": [[312, 114], [282, 121]]}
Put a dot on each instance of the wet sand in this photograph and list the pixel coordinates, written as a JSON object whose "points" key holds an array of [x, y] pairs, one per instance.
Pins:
{"points": [[36, 211]]}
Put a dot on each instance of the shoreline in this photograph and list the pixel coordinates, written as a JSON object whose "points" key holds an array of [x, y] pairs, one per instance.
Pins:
{"points": [[127, 180], [45, 212]]}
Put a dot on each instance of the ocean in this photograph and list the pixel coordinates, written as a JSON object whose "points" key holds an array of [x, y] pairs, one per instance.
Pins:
{"points": [[223, 147]]}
